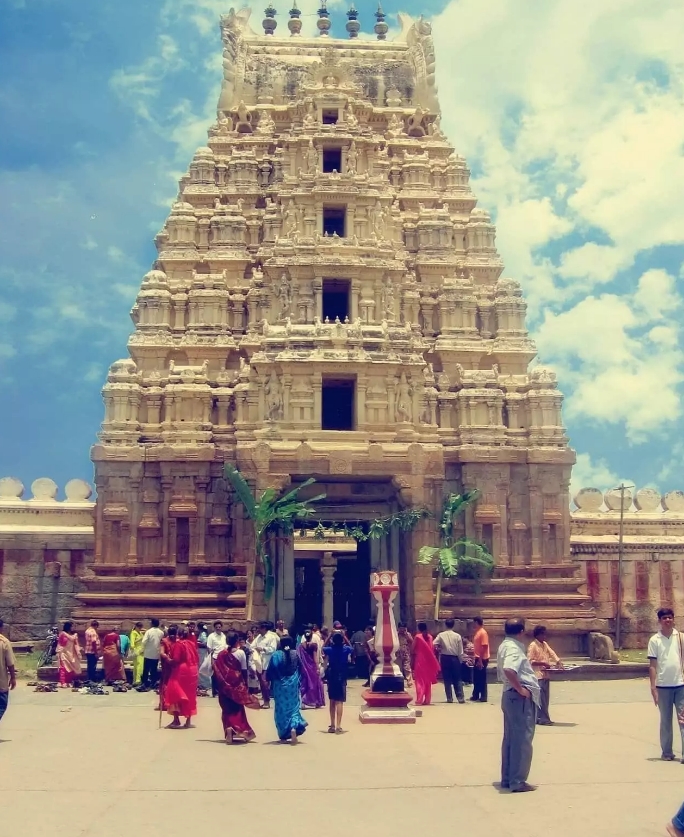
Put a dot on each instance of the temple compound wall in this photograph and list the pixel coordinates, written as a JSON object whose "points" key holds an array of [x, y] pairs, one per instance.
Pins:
{"points": [[46, 546], [652, 572], [47, 549]]}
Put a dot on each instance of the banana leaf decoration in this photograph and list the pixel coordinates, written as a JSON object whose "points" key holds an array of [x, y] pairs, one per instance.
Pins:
{"points": [[456, 555], [272, 515]]}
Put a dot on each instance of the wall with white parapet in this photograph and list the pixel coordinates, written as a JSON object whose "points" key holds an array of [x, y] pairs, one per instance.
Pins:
{"points": [[45, 544], [653, 556]]}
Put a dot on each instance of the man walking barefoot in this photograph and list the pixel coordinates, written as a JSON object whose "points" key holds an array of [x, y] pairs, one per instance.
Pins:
{"points": [[665, 657], [8, 671], [519, 703]]}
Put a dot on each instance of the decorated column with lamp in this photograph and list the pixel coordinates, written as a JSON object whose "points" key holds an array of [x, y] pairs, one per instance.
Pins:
{"points": [[387, 701]]}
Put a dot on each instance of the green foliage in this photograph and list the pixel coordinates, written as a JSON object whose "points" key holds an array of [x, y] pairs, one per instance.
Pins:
{"points": [[403, 520], [272, 515], [456, 556]]}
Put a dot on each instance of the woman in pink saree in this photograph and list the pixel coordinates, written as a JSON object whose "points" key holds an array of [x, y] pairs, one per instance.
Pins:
{"points": [[68, 656], [424, 664]]}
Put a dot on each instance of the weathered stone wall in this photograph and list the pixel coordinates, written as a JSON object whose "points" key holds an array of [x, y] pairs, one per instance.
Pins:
{"points": [[45, 546], [652, 563]]}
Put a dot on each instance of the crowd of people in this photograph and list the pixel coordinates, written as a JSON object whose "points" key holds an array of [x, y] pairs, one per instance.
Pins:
{"points": [[249, 670]]}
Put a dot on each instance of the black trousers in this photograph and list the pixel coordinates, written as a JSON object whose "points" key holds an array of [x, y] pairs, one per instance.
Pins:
{"points": [[362, 666], [451, 674], [150, 673], [480, 682], [91, 662]]}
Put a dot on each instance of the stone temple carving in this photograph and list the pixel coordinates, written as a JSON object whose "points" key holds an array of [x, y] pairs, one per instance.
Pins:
{"points": [[314, 279]]}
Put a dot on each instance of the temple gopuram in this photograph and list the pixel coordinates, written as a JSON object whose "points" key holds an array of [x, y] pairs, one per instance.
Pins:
{"points": [[328, 302]]}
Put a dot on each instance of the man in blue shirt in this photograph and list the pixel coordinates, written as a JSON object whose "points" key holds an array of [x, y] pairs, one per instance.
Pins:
{"points": [[519, 703]]}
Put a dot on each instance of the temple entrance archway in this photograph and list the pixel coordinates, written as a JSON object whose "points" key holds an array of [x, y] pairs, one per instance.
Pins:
{"points": [[325, 579]]}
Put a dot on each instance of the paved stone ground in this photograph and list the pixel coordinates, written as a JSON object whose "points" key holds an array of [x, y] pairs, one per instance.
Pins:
{"points": [[82, 765]]}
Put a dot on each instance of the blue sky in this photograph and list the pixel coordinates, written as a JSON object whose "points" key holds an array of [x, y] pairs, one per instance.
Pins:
{"points": [[570, 114]]}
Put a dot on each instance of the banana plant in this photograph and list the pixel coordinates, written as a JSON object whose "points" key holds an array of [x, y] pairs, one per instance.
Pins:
{"points": [[273, 515], [455, 554]]}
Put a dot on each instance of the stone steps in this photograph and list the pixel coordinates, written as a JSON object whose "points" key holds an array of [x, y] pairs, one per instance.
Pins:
{"points": [[171, 584], [493, 586], [168, 612], [538, 571], [510, 601]]}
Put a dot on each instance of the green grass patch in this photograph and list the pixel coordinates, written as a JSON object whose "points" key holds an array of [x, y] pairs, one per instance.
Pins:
{"points": [[27, 664], [633, 655]]}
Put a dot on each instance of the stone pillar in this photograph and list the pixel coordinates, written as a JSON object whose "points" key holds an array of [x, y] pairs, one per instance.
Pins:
{"points": [[317, 386], [328, 567], [201, 494], [132, 557], [318, 298], [99, 524], [394, 551], [361, 386], [536, 514], [355, 293], [166, 487]]}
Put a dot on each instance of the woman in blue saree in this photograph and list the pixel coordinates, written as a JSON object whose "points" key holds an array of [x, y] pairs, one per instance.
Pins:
{"points": [[283, 672]]}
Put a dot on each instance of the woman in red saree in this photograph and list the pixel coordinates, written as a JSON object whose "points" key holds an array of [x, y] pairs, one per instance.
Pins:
{"points": [[112, 661], [233, 693], [424, 664], [178, 695], [189, 674]]}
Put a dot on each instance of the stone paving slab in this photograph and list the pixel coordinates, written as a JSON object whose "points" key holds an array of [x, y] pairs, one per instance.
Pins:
{"points": [[88, 766]]}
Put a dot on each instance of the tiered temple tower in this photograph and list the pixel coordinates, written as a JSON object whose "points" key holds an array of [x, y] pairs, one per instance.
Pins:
{"points": [[327, 301]]}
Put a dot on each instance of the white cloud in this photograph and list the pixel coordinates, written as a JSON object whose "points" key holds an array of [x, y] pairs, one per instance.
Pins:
{"points": [[588, 473], [116, 254], [7, 351], [620, 356], [94, 372], [571, 116], [565, 105], [139, 86], [7, 312], [656, 294], [595, 263]]}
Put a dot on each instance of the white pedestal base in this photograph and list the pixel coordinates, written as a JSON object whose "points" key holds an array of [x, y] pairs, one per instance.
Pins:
{"points": [[387, 715]]}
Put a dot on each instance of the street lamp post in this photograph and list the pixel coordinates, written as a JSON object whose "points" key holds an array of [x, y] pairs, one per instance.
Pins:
{"points": [[618, 609]]}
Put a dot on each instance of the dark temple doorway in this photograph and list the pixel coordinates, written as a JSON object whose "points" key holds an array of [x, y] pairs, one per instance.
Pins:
{"points": [[351, 589], [308, 593]]}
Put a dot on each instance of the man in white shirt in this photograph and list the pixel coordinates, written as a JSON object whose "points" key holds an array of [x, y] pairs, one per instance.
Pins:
{"points": [[266, 643], [449, 646], [151, 645], [216, 642], [519, 703], [665, 657]]}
